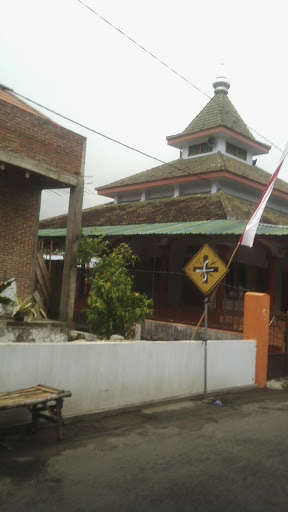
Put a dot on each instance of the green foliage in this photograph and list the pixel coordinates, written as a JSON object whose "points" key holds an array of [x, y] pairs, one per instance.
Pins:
{"points": [[3, 287], [90, 249], [28, 308], [114, 306]]}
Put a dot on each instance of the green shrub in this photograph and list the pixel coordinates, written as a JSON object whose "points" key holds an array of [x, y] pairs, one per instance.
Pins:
{"points": [[114, 306]]}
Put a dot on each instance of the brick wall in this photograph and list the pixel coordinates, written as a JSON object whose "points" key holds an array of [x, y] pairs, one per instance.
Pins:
{"points": [[35, 136], [30, 135], [19, 213]]}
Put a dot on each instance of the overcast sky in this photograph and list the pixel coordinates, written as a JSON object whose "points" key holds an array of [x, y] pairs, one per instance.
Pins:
{"points": [[60, 54]]}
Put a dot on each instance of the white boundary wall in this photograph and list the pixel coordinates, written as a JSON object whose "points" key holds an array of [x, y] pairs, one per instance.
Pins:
{"points": [[105, 376], [230, 364]]}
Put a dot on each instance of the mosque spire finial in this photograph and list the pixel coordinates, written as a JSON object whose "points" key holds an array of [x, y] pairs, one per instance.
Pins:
{"points": [[221, 84]]}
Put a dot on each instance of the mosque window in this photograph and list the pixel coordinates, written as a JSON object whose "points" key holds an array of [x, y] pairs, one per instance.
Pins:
{"points": [[235, 151], [197, 149]]}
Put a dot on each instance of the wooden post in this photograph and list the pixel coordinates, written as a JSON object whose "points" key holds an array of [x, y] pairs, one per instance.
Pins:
{"points": [[256, 327], [34, 255], [72, 235], [59, 425], [271, 283], [34, 418], [164, 267], [50, 258]]}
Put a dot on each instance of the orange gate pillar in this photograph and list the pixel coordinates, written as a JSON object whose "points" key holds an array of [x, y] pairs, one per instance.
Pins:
{"points": [[256, 327]]}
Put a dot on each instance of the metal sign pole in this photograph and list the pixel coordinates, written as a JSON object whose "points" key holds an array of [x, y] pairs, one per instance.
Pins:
{"points": [[206, 300], [205, 269]]}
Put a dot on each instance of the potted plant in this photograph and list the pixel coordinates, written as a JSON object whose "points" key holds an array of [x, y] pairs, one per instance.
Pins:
{"points": [[26, 309]]}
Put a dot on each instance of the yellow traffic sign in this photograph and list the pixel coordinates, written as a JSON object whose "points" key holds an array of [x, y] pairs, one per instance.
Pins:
{"points": [[206, 269]]}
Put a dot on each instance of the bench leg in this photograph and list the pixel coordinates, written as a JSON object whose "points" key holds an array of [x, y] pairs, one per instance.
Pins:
{"points": [[59, 403], [35, 418]]}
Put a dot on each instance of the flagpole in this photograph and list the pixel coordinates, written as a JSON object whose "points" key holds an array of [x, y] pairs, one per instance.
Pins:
{"points": [[215, 291]]}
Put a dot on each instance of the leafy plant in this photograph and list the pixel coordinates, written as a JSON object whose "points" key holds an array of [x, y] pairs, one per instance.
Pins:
{"points": [[114, 306], [3, 287], [90, 249], [28, 308]]}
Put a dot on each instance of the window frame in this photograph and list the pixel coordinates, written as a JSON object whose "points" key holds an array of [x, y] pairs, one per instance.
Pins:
{"points": [[208, 149], [235, 151]]}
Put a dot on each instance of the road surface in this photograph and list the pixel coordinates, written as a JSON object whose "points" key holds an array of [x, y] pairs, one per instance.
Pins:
{"points": [[187, 456]]}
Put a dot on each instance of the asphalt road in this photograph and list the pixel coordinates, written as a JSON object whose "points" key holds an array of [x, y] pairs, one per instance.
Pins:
{"points": [[186, 456]]}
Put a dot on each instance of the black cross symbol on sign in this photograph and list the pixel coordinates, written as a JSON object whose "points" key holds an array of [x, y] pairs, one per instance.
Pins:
{"points": [[205, 269]]}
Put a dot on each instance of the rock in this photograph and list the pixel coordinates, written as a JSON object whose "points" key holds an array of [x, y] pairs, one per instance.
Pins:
{"points": [[82, 336], [116, 337]]}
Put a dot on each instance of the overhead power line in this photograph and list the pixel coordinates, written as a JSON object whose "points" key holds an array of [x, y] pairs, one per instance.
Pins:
{"points": [[56, 192], [101, 135], [265, 138], [95, 131], [165, 64], [144, 49]]}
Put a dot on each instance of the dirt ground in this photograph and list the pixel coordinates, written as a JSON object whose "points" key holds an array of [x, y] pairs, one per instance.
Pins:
{"points": [[184, 456]]}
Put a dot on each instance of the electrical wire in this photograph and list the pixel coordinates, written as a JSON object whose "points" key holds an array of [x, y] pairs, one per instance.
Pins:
{"points": [[55, 192], [88, 191], [265, 138], [166, 65], [95, 131], [144, 49], [100, 134]]}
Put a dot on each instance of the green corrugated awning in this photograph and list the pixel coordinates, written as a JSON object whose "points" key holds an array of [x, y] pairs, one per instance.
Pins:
{"points": [[211, 227]]}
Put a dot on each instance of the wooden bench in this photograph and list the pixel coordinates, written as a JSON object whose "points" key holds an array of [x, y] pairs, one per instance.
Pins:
{"points": [[37, 399]]}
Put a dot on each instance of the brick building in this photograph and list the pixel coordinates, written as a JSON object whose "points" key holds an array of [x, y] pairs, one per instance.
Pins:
{"points": [[35, 154]]}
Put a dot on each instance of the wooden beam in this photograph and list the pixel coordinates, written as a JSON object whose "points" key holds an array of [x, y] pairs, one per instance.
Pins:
{"points": [[72, 241], [44, 271], [39, 301]]}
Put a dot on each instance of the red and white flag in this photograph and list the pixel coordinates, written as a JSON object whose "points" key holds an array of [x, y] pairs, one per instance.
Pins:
{"points": [[248, 235]]}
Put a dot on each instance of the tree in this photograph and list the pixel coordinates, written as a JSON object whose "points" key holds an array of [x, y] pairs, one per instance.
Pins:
{"points": [[114, 306]]}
